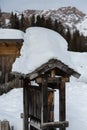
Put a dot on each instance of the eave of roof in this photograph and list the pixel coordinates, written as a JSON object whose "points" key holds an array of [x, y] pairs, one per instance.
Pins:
{"points": [[11, 40], [46, 67]]}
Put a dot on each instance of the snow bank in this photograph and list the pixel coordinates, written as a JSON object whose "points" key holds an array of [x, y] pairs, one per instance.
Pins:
{"points": [[11, 105], [41, 45], [76, 107], [11, 34], [80, 63]]}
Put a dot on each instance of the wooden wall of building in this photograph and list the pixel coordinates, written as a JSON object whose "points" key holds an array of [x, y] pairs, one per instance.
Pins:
{"points": [[9, 50]]}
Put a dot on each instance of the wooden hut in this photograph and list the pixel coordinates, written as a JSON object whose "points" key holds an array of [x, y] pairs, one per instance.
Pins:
{"points": [[9, 50], [38, 100], [40, 84]]}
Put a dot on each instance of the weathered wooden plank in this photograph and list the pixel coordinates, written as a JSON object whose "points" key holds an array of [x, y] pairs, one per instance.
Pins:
{"points": [[61, 124], [49, 80], [35, 124], [62, 102], [26, 105], [35, 105], [0, 125], [6, 125], [10, 49], [44, 101], [51, 106], [33, 75], [11, 40]]}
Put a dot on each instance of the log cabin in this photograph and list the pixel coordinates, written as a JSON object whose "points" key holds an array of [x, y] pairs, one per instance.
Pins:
{"points": [[10, 44]]}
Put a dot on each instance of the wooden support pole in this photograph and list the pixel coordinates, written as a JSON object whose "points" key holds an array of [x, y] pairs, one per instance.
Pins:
{"points": [[44, 101], [26, 104], [62, 102]]}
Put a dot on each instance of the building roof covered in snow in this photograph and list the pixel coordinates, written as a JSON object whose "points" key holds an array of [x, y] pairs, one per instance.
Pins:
{"points": [[40, 46], [11, 34]]}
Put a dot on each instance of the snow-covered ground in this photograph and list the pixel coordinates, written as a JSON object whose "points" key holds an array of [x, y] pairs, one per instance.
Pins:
{"points": [[11, 104]]}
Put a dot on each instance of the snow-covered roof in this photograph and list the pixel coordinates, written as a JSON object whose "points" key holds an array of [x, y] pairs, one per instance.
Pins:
{"points": [[41, 45], [11, 34]]}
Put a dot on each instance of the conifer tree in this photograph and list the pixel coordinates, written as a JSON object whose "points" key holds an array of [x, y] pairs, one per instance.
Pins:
{"points": [[55, 25], [38, 21], [43, 21], [49, 23], [14, 21], [32, 20], [24, 23], [68, 38]]}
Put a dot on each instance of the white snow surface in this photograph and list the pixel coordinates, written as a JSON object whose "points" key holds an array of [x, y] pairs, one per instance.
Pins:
{"points": [[41, 45], [11, 34], [11, 104]]}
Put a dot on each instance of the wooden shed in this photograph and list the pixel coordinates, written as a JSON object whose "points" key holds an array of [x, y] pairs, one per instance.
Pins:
{"points": [[38, 99], [43, 68], [9, 51]]}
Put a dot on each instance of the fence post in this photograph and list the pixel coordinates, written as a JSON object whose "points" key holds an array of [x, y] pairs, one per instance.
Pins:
{"points": [[4, 125], [0, 125]]}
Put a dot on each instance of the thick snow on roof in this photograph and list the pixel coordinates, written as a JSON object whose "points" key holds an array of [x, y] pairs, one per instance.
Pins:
{"points": [[11, 34], [41, 45]]}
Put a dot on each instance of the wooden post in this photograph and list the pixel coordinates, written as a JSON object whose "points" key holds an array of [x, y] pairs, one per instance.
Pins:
{"points": [[26, 105], [0, 124], [62, 102], [44, 101]]}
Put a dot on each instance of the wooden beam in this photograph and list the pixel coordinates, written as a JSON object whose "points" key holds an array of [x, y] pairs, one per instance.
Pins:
{"points": [[53, 73], [26, 105], [62, 102], [11, 41], [61, 124], [51, 65], [44, 101], [35, 124], [49, 80]]}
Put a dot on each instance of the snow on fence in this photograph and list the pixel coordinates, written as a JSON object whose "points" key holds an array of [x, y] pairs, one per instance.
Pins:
{"points": [[4, 125]]}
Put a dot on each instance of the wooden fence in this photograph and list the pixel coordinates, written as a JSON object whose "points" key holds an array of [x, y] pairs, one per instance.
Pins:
{"points": [[4, 125]]}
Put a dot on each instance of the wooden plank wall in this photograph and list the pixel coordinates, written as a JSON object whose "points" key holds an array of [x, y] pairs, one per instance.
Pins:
{"points": [[4, 125], [35, 104]]}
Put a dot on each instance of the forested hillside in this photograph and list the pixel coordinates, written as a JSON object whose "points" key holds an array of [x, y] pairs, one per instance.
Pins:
{"points": [[52, 20]]}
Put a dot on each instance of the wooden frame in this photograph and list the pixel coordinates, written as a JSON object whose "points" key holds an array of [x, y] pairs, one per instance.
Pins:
{"points": [[53, 74]]}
